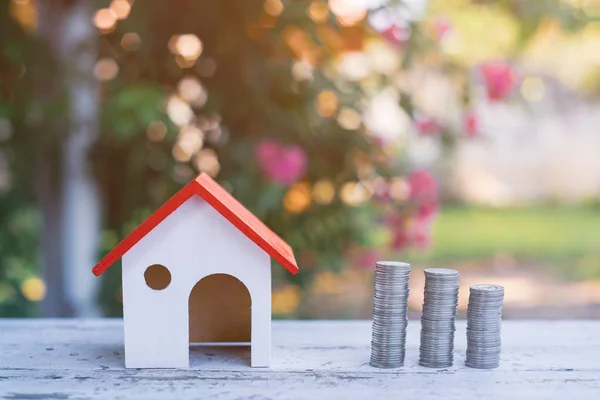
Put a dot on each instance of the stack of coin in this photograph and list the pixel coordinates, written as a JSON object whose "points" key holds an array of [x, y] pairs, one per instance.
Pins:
{"points": [[390, 310], [484, 320], [439, 315]]}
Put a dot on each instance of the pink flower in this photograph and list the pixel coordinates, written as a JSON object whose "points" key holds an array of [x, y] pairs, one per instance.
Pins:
{"points": [[400, 239], [427, 126], [411, 226], [397, 35], [498, 78], [427, 211], [423, 187], [411, 233], [283, 165], [442, 26], [471, 124]]}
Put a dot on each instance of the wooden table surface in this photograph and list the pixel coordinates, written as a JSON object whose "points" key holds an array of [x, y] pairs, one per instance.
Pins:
{"points": [[83, 359]]}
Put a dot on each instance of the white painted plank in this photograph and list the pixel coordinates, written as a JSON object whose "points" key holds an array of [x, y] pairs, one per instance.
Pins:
{"points": [[79, 359]]}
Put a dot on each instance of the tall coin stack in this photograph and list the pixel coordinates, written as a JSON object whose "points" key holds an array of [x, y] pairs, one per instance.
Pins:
{"points": [[390, 314], [437, 320], [484, 320]]}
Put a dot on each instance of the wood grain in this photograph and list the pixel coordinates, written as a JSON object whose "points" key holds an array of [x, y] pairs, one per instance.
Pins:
{"points": [[83, 359]]}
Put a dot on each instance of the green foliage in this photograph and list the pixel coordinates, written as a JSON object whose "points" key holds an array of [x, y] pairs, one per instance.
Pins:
{"points": [[543, 232], [130, 110]]}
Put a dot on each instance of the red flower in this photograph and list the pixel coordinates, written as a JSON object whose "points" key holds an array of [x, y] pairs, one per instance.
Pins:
{"points": [[498, 78], [471, 124]]}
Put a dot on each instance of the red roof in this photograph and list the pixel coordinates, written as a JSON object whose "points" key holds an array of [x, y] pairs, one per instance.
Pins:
{"points": [[227, 206]]}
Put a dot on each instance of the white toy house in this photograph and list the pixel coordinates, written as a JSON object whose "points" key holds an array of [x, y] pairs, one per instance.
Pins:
{"points": [[197, 270]]}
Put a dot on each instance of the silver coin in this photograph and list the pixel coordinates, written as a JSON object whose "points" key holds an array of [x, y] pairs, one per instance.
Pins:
{"points": [[482, 366], [397, 265], [490, 358], [484, 348], [425, 324], [479, 327], [440, 272], [390, 309], [438, 315], [485, 287], [484, 339], [488, 303], [483, 362], [444, 364], [483, 336]]}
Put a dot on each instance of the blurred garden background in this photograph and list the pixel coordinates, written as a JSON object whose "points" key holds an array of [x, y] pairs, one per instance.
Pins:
{"points": [[454, 133]]}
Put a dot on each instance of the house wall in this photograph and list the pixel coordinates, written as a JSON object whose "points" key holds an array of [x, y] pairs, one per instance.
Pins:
{"points": [[193, 242]]}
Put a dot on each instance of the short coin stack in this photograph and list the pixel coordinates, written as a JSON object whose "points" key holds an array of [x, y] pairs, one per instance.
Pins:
{"points": [[484, 320], [437, 320], [390, 309]]}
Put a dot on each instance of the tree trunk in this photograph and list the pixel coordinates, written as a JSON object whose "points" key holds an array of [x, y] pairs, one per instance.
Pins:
{"points": [[77, 226]]}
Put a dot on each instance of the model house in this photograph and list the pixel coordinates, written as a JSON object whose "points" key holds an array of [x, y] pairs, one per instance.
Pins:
{"points": [[197, 270]]}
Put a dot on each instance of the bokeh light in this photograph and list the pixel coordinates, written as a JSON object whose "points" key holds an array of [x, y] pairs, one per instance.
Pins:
{"points": [[297, 198], [207, 161], [318, 11], [355, 193], [105, 19], [156, 131], [25, 13], [131, 41], [323, 192], [184, 62], [106, 69], [273, 7], [348, 12], [120, 8], [354, 66], [327, 103], [301, 44], [189, 46], [302, 71], [33, 289], [349, 119], [399, 190], [191, 90], [179, 111], [191, 139], [180, 154]]}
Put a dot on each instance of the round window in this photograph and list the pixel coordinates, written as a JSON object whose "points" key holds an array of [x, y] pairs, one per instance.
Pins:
{"points": [[157, 277]]}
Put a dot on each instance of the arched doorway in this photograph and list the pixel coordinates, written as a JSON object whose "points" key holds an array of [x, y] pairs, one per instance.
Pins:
{"points": [[219, 311]]}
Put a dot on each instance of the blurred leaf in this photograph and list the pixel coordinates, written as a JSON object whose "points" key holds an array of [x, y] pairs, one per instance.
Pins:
{"points": [[132, 109]]}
